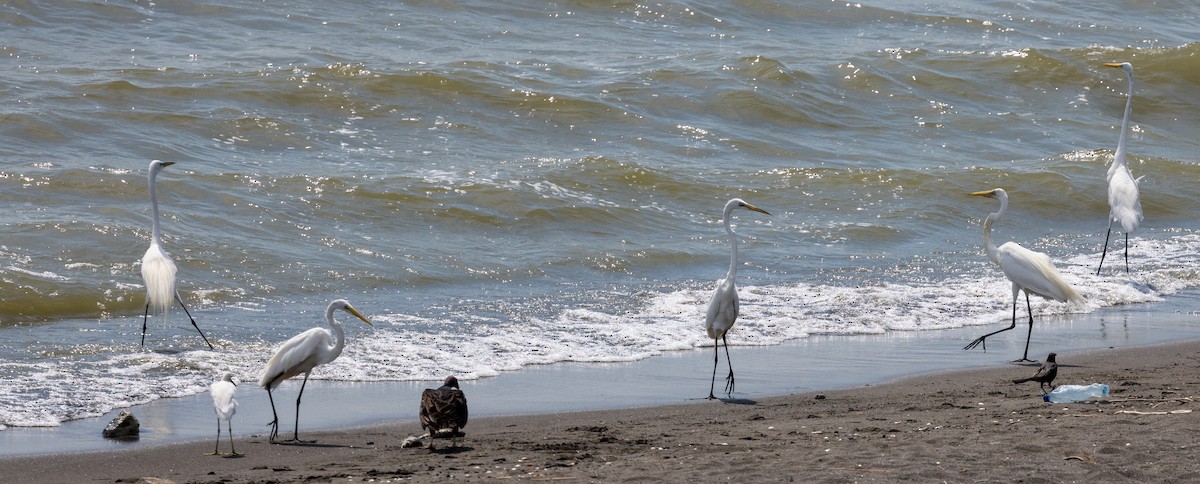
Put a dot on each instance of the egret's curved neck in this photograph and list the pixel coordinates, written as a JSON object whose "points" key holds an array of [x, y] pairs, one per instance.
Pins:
{"points": [[988, 245], [339, 336], [155, 233], [1120, 155], [733, 243]]}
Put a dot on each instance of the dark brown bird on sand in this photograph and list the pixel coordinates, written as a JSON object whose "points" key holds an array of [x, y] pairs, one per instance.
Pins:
{"points": [[1045, 375], [444, 411]]}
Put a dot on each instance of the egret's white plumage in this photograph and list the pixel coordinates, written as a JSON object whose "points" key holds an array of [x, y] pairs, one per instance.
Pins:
{"points": [[225, 406], [158, 269], [1029, 271], [1124, 204], [301, 354], [723, 307]]}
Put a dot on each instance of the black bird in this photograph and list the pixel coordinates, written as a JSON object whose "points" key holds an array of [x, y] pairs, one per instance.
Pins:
{"points": [[1045, 375], [444, 411]]}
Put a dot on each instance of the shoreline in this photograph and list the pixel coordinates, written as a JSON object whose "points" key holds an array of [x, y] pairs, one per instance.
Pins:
{"points": [[818, 363], [955, 425]]}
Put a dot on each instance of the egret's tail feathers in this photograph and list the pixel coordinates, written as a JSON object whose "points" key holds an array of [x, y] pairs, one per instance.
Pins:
{"points": [[1063, 292], [1045, 280], [158, 272], [1130, 218]]}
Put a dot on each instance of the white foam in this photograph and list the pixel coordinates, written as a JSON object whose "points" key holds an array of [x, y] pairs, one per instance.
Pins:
{"points": [[42, 274]]}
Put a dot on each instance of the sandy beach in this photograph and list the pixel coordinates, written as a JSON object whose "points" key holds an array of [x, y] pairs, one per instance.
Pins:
{"points": [[955, 426]]}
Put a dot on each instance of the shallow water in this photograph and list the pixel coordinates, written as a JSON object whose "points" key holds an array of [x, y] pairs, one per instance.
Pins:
{"points": [[500, 185]]}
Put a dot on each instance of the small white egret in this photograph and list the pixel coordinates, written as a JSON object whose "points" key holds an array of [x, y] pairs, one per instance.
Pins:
{"points": [[158, 270], [225, 406], [1124, 206], [301, 354], [1029, 271], [444, 411], [723, 307]]}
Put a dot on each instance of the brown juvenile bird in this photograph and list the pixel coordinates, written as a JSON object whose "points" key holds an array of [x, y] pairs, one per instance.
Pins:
{"points": [[444, 411], [1045, 375]]}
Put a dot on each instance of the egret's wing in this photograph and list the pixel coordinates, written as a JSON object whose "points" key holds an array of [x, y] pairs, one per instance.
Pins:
{"points": [[223, 401], [1034, 272], [722, 309], [296, 356], [1123, 199]]}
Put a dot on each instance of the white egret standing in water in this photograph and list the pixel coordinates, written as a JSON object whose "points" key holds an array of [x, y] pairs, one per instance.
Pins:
{"points": [[1124, 205], [301, 354], [723, 307], [1029, 271], [225, 406], [158, 270]]}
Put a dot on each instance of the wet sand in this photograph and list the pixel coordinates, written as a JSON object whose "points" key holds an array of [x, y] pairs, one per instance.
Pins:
{"points": [[963, 425]]}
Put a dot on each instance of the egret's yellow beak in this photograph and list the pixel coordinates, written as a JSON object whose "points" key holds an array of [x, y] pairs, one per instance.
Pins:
{"points": [[1112, 64], [985, 193], [167, 163], [756, 209], [359, 315]]}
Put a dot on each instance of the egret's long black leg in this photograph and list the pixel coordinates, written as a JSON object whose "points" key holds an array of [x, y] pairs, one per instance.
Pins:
{"points": [[1126, 253], [275, 422], [1105, 252], [194, 325], [728, 379], [1029, 336], [982, 339], [144, 316], [296, 429], [716, 355]]}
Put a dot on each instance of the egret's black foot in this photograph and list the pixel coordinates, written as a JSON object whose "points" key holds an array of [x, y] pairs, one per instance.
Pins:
{"points": [[978, 341]]}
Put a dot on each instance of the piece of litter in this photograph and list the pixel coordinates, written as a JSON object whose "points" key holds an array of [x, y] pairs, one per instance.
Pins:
{"points": [[1136, 412]]}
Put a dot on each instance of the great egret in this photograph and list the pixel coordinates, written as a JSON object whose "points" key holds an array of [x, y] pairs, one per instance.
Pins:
{"points": [[225, 406], [1045, 374], [301, 354], [1123, 203], [723, 307], [444, 409], [1029, 271], [158, 270]]}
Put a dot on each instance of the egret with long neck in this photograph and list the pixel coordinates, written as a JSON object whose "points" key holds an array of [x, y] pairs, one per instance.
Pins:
{"points": [[1029, 271], [723, 307], [301, 354], [158, 269], [1124, 203]]}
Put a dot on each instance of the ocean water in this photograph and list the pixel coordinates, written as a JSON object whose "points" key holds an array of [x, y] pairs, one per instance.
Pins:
{"points": [[499, 184]]}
